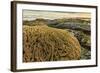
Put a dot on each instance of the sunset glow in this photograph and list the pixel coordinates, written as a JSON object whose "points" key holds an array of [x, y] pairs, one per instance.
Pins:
{"points": [[33, 14]]}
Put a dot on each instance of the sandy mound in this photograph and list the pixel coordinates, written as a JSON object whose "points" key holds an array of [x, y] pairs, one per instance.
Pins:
{"points": [[43, 43]]}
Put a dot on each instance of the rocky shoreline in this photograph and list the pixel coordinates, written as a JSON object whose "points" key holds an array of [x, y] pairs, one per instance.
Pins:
{"points": [[79, 28]]}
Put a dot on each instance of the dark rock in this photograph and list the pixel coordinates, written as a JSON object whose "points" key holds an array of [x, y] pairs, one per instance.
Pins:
{"points": [[74, 26], [84, 39], [85, 53]]}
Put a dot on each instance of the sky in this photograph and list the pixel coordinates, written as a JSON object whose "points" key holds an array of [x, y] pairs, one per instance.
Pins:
{"points": [[33, 14]]}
